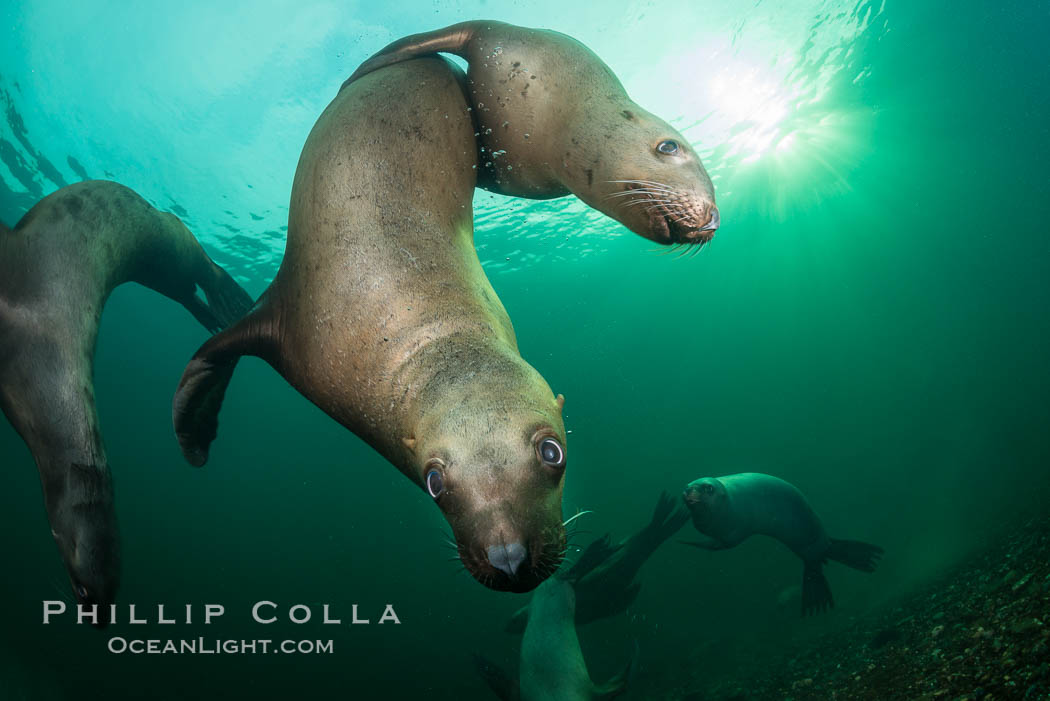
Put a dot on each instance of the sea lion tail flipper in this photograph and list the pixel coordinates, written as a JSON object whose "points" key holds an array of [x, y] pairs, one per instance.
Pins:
{"points": [[816, 594], [195, 408], [668, 518], [618, 684], [228, 302], [498, 680], [452, 39], [858, 555], [593, 555]]}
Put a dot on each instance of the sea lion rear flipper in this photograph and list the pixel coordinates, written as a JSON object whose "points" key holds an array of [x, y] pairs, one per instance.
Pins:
{"points": [[497, 679], [858, 555], [816, 594], [668, 518], [195, 408], [618, 684], [592, 556], [452, 39]]}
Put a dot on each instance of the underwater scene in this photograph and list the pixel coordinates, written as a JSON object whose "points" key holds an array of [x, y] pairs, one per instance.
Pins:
{"points": [[711, 338]]}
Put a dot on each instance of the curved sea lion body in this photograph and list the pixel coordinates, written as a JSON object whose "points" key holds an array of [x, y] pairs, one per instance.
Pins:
{"points": [[57, 269], [612, 586], [553, 119], [552, 666], [382, 316], [731, 509]]}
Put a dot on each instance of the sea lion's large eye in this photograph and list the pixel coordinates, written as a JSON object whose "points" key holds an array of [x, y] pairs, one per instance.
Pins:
{"points": [[667, 147], [81, 591], [707, 489], [435, 483], [551, 452]]}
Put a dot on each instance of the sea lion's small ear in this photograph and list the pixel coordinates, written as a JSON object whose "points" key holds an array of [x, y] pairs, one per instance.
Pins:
{"points": [[560, 399], [410, 443]]}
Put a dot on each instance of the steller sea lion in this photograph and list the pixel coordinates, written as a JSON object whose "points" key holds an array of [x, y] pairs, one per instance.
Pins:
{"points": [[731, 509], [57, 269], [552, 667], [382, 316], [611, 586], [553, 119]]}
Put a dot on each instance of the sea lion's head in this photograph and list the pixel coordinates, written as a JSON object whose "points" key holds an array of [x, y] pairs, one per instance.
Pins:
{"points": [[497, 476], [706, 499], [87, 540], [648, 178]]}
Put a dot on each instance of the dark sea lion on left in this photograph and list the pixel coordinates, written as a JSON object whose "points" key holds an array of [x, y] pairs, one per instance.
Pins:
{"points": [[57, 269]]}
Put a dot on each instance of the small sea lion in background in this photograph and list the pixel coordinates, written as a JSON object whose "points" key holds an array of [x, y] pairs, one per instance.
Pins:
{"points": [[731, 509], [552, 667], [553, 119], [610, 587], [382, 316], [57, 269]]}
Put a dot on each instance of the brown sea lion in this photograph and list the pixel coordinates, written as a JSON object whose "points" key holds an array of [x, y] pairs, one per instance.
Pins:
{"points": [[728, 510], [553, 120], [382, 316], [57, 269]]}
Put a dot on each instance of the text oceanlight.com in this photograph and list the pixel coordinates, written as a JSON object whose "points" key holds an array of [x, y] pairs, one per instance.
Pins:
{"points": [[202, 646]]}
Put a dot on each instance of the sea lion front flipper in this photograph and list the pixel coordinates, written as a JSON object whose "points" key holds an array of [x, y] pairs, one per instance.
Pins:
{"points": [[498, 680], [816, 594], [618, 684], [195, 408], [452, 39], [228, 302]]}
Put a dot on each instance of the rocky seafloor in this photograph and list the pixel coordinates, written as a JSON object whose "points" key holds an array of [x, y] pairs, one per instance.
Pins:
{"points": [[979, 632]]}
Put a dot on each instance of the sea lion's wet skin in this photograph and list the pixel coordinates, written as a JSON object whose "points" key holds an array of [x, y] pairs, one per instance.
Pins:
{"points": [[728, 510], [552, 667], [552, 119], [57, 269], [382, 316]]}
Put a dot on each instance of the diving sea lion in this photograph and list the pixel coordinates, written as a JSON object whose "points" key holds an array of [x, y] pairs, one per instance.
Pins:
{"points": [[552, 119], [731, 509], [57, 269], [382, 316], [610, 587], [552, 667]]}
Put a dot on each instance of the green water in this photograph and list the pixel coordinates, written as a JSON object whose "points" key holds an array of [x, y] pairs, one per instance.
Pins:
{"points": [[870, 323]]}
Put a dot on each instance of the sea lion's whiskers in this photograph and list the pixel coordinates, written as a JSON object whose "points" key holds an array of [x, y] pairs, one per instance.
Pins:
{"points": [[569, 520], [644, 183]]}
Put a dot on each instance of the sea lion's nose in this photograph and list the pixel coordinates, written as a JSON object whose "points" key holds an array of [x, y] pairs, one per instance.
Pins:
{"points": [[507, 558], [714, 221]]}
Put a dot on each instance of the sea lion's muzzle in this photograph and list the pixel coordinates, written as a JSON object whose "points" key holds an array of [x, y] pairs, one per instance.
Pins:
{"points": [[671, 216], [507, 558], [514, 566]]}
